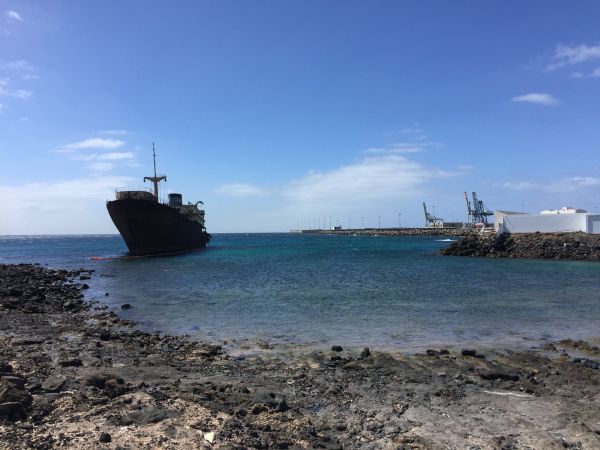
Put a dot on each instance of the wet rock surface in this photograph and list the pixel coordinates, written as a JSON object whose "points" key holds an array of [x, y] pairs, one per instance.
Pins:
{"points": [[571, 246], [80, 377]]}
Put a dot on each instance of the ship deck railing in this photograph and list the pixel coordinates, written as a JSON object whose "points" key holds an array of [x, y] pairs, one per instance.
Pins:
{"points": [[134, 188], [140, 188]]}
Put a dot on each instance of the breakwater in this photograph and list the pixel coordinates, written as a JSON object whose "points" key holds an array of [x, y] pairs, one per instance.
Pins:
{"points": [[394, 232], [571, 246]]}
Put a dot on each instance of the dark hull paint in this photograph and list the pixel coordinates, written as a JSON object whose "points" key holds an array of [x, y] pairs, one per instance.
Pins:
{"points": [[151, 228]]}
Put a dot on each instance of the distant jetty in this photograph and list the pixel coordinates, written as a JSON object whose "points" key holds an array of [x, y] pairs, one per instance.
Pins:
{"points": [[570, 246], [393, 231]]}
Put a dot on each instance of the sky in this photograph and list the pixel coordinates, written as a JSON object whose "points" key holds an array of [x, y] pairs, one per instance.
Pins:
{"points": [[283, 114]]}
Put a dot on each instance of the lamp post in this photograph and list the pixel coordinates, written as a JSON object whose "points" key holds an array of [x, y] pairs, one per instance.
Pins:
{"points": [[399, 221], [379, 217]]}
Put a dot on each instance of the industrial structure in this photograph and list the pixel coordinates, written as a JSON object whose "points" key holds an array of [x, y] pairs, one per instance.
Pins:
{"points": [[430, 220], [478, 213], [564, 220]]}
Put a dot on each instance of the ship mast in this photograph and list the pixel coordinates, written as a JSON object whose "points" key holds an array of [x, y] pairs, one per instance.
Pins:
{"points": [[155, 179]]}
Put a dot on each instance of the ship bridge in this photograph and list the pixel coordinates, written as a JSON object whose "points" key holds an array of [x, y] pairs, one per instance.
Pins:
{"points": [[138, 193]]}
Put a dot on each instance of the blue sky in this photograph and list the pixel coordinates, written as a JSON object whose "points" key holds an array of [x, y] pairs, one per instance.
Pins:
{"points": [[277, 112]]}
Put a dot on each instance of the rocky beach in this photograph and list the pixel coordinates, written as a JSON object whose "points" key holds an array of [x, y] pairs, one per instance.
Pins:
{"points": [[570, 246], [75, 375]]}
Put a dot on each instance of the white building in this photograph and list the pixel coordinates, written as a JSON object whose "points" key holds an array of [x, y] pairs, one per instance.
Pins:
{"points": [[564, 210], [564, 220]]}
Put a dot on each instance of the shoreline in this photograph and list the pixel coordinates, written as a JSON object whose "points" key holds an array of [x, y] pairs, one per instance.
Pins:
{"points": [[258, 346], [75, 375]]}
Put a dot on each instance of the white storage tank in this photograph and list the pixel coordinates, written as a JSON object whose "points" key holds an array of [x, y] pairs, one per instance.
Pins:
{"points": [[564, 210]]}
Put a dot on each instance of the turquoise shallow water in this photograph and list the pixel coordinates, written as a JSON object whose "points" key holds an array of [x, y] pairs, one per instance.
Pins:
{"points": [[384, 292]]}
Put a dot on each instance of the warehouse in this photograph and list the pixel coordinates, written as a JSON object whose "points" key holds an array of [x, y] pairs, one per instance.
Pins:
{"points": [[549, 221]]}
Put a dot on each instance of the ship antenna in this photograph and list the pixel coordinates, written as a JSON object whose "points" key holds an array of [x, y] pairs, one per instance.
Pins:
{"points": [[155, 179], [154, 157]]}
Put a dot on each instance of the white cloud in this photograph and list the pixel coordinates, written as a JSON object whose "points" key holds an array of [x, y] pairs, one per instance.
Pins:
{"points": [[413, 128], [44, 195], [518, 185], [68, 206], [371, 184], [241, 190], [556, 186], [94, 143], [101, 166], [583, 181], [389, 150], [416, 129], [21, 94], [536, 98], [403, 147], [111, 156], [102, 160], [371, 179], [20, 64], [7, 91], [593, 74], [13, 15], [115, 132], [567, 55]]}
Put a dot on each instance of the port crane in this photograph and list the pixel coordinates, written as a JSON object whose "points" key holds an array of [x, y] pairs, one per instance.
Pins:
{"points": [[430, 220], [478, 214]]}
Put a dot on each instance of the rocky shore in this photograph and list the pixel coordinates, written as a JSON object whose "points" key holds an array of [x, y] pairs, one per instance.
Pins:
{"points": [[395, 232], [74, 375], [574, 246]]}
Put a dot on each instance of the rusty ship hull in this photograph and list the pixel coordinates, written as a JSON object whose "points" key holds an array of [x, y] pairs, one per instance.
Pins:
{"points": [[153, 228]]}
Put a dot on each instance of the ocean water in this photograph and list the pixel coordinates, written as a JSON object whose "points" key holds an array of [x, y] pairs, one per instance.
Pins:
{"points": [[381, 292]]}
